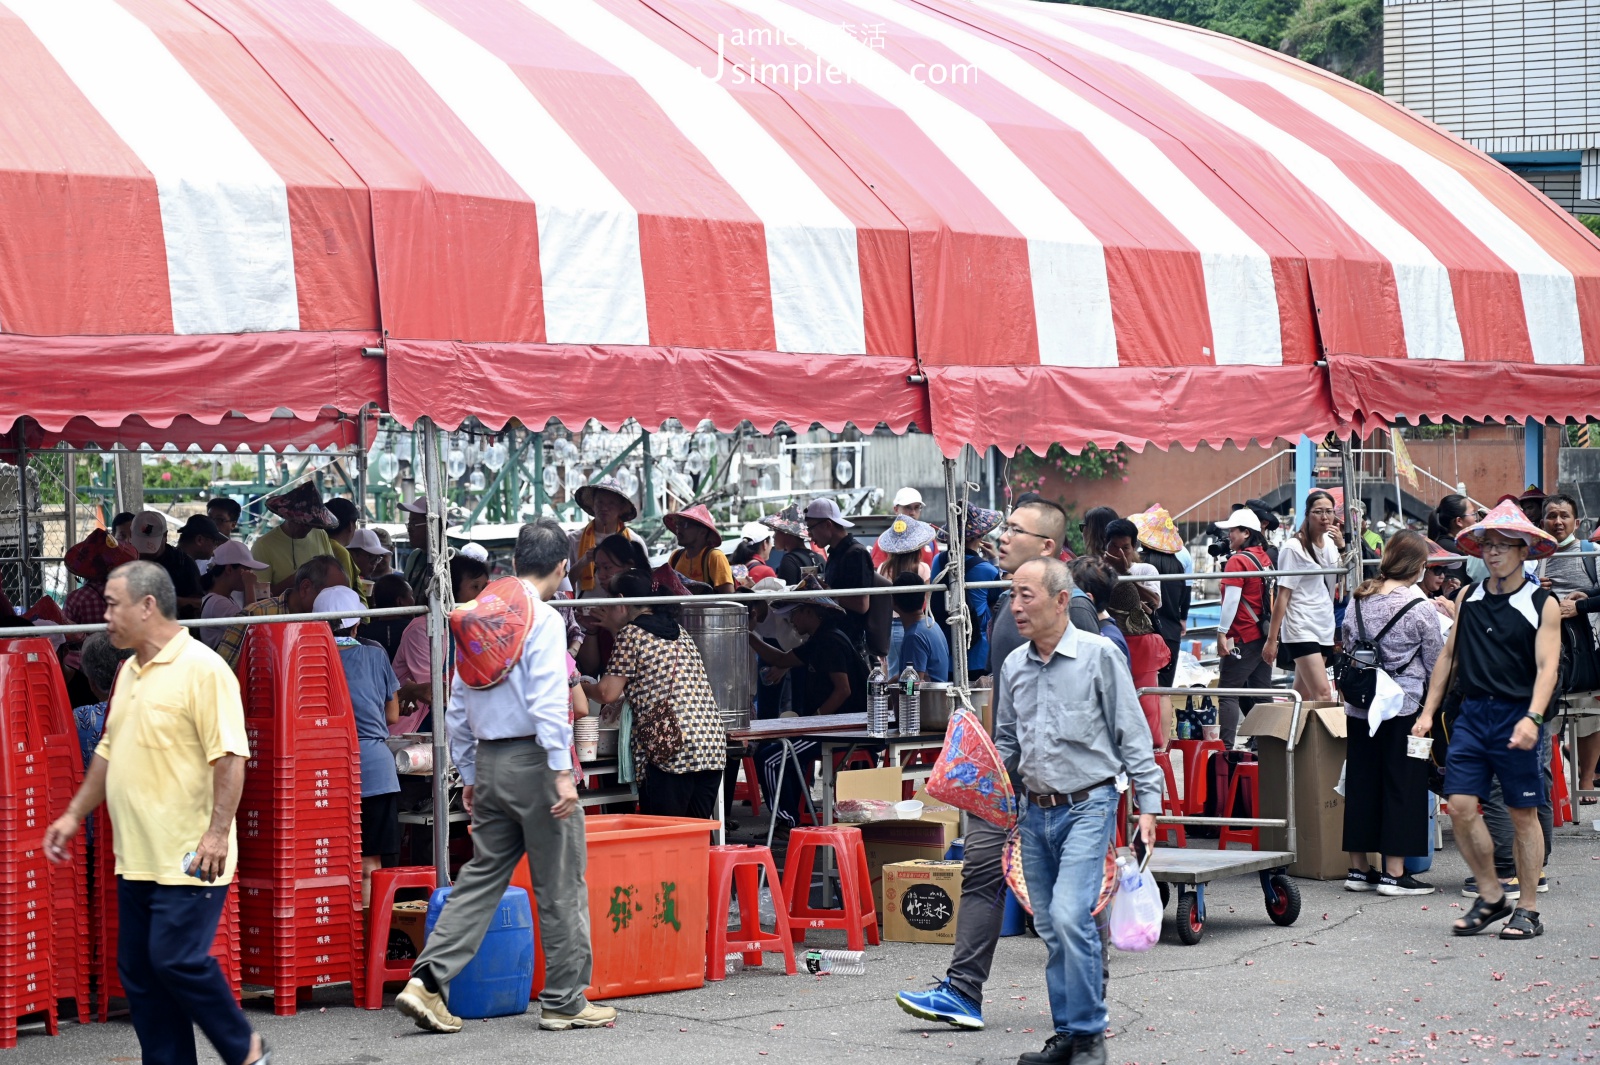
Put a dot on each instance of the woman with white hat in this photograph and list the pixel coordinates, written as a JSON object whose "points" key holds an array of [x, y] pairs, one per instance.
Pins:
{"points": [[1242, 628], [753, 553]]}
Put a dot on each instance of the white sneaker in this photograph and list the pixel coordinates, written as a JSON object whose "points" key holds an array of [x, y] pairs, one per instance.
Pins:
{"points": [[426, 1007], [591, 1016]]}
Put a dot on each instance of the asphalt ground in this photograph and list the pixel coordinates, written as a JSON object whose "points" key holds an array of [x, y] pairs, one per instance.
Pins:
{"points": [[1359, 978]]}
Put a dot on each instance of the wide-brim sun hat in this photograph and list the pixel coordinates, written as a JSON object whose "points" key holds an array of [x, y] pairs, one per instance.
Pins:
{"points": [[905, 535], [1157, 531], [785, 607], [981, 521], [303, 505], [698, 514], [585, 497], [1438, 556], [788, 520], [1507, 519], [97, 555]]}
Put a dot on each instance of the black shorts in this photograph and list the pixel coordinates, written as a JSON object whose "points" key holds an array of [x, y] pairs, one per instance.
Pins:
{"points": [[1289, 652], [380, 825]]}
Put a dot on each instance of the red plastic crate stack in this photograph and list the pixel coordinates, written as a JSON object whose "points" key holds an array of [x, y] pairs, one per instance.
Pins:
{"points": [[27, 919], [226, 947], [300, 816]]}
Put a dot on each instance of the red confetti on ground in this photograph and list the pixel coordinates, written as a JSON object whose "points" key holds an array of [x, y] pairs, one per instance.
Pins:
{"points": [[1498, 976]]}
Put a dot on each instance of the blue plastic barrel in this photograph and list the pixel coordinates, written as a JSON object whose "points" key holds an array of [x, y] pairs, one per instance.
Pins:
{"points": [[498, 981], [1015, 921]]}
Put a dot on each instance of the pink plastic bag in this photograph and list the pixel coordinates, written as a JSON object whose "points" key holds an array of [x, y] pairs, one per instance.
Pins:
{"points": [[969, 774]]}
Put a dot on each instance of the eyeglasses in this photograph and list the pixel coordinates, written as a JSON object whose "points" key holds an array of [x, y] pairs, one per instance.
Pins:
{"points": [[1496, 547], [1324, 512], [1017, 530]]}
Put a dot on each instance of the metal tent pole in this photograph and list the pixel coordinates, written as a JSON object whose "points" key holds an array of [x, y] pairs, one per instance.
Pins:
{"points": [[1352, 521], [956, 598], [433, 479], [24, 544]]}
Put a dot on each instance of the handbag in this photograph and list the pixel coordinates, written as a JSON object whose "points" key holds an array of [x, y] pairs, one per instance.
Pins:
{"points": [[658, 735]]}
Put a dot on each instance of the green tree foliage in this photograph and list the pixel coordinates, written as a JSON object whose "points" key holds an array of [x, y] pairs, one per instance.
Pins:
{"points": [[1344, 36], [1592, 221]]}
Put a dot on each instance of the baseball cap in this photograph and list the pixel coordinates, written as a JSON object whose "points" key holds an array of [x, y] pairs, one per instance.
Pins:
{"points": [[367, 540], [234, 553], [335, 598], [907, 497], [202, 527], [474, 550], [755, 532], [418, 505], [1243, 518], [827, 510], [149, 532]]}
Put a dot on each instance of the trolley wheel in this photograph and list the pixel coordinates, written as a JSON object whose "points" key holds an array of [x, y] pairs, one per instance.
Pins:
{"points": [[1285, 907], [1191, 926], [1166, 893]]}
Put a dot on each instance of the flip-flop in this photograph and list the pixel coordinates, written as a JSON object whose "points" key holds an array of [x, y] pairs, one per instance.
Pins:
{"points": [[1481, 916], [1524, 924]]}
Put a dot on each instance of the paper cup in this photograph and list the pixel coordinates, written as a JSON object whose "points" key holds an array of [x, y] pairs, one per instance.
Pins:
{"points": [[1211, 732], [1419, 747]]}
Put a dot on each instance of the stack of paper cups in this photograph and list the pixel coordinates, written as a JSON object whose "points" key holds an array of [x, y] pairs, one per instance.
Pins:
{"points": [[417, 758]]}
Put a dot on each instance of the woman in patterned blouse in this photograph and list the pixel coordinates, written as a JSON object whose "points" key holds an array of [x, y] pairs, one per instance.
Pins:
{"points": [[678, 742]]}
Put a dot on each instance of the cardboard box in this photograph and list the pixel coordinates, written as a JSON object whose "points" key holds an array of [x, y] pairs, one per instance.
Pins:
{"points": [[889, 842], [921, 900], [1318, 761], [410, 918]]}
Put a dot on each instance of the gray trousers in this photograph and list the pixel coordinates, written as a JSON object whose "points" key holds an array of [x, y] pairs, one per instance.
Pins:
{"points": [[983, 911], [1498, 819], [511, 817], [1241, 670], [983, 907]]}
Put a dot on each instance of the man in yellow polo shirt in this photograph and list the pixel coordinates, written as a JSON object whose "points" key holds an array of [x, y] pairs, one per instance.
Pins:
{"points": [[170, 768]]}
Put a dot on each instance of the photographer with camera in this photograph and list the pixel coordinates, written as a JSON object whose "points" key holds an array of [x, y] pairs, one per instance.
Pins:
{"points": [[1241, 631]]}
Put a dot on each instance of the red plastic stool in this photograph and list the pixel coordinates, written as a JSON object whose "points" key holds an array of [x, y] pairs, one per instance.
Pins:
{"points": [[385, 882], [736, 867], [1250, 771], [1171, 804], [855, 885], [1560, 797], [749, 789], [1196, 760]]}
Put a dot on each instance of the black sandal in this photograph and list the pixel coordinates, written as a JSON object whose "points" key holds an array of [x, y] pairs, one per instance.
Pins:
{"points": [[1481, 916], [1524, 924]]}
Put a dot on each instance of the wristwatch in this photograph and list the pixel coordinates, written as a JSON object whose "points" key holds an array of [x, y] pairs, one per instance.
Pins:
{"points": [[1538, 719]]}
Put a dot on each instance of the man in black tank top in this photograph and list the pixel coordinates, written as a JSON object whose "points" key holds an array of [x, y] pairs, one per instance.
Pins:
{"points": [[1504, 654]]}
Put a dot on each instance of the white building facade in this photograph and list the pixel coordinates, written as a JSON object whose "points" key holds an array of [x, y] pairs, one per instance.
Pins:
{"points": [[1518, 79]]}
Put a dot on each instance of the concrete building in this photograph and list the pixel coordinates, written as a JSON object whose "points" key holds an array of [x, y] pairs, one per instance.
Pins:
{"points": [[1519, 79]]}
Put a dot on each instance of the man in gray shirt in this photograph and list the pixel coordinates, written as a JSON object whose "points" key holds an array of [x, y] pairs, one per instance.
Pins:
{"points": [[1068, 723], [1035, 530]]}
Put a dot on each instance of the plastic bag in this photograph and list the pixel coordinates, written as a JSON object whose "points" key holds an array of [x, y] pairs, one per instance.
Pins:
{"points": [[1135, 916], [969, 774], [862, 811]]}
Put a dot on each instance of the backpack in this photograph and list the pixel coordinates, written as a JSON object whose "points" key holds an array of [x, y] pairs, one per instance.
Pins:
{"points": [[1269, 592], [1357, 673], [880, 618]]}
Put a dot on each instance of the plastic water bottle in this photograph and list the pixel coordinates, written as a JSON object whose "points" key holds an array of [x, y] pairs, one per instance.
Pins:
{"points": [[735, 963], [910, 702], [836, 962], [877, 703]]}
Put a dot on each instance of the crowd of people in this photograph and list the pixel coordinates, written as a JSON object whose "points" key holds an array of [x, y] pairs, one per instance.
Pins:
{"points": [[1474, 637]]}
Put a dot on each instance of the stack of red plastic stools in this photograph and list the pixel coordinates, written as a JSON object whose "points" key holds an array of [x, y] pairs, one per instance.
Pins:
{"points": [[27, 936], [300, 816], [226, 947], [34, 681]]}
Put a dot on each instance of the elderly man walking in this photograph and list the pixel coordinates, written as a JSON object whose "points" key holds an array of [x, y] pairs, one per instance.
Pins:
{"points": [[170, 768], [512, 743], [1068, 723]]}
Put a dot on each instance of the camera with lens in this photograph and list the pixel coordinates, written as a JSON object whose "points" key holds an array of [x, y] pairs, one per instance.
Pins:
{"points": [[1219, 546]]}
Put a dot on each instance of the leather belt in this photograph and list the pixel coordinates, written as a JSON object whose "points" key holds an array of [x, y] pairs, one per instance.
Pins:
{"points": [[1050, 800]]}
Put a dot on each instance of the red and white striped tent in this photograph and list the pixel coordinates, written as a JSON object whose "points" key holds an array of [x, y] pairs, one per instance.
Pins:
{"points": [[1076, 224]]}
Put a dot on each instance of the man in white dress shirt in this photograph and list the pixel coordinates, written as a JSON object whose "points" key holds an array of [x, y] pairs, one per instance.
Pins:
{"points": [[513, 746]]}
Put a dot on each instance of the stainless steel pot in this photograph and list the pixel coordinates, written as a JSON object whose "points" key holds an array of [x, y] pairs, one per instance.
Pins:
{"points": [[721, 632], [937, 702]]}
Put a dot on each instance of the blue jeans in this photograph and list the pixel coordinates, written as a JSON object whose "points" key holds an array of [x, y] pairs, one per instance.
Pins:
{"points": [[1063, 858]]}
